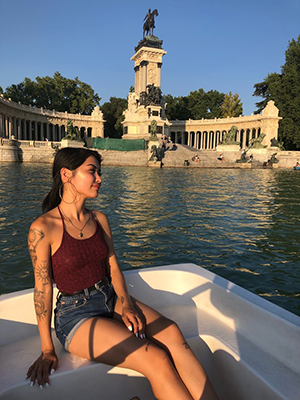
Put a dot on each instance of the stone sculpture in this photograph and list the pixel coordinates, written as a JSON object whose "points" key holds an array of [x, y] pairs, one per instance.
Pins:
{"points": [[257, 142], [154, 154], [229, 138], [153, 96]]}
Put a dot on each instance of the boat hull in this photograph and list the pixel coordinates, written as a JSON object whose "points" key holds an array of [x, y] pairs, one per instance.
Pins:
{"points": [[248, 346]]}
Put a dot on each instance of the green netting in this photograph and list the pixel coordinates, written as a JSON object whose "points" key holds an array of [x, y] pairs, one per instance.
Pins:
{"points": [[118, 144]]}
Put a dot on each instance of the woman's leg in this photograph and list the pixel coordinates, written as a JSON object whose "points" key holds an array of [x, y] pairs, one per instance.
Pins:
{"points": [[110, 342], [166, 334]]}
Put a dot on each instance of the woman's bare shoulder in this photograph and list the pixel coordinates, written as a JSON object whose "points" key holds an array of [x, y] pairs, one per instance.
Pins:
{"points": [[102, 218], [45, 224]]}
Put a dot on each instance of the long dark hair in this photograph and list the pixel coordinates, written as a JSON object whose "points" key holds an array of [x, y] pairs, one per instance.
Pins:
{"points": [[71, 158]]}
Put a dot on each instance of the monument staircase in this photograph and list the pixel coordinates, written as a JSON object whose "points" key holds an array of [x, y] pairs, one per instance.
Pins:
{"points": [[182, 155]]}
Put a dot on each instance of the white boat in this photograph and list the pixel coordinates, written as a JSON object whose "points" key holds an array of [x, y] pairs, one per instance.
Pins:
{"points": [[249, 347]]}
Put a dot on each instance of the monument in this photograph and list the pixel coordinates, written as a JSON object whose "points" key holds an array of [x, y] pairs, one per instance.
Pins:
{"points": [[145, 103]]}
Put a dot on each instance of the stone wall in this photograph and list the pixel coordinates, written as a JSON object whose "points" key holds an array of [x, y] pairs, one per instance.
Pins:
{"points": [[124, 158], [10, 151]]}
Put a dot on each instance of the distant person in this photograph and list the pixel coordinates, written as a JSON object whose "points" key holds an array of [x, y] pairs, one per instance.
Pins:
{"points": [[251, 158], [297, 166], [221, 157], [73, 246]]}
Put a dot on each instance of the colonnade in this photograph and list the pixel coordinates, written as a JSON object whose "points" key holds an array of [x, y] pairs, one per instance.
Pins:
{"points": [[209, 140], [21, 122], [24, 129]]}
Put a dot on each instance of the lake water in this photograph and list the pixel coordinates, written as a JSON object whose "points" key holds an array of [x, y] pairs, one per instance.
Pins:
{"points": [[240, 224]]}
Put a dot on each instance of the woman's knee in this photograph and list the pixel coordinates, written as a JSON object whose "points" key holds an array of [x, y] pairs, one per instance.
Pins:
{"points": [[156, 358], [172, 333]]}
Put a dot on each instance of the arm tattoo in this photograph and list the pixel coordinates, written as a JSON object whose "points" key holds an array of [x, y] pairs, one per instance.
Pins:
{"points": [[37, 293], [122, 299], [43, 273], [186, 345], [147, 346], [40, 308], [34, 238]]}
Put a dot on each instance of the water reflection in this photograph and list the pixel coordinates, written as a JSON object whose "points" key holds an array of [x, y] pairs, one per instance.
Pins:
{"points": [[240, 224]]}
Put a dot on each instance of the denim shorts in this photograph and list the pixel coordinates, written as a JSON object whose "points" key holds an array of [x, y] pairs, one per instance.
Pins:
{"points": [[73, 311]]}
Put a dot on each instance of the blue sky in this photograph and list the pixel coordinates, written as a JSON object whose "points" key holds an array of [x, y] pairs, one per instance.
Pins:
{"points": [[211, 44]]}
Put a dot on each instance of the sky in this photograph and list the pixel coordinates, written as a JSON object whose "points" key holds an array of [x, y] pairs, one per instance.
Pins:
{"points": [[210, 44]]}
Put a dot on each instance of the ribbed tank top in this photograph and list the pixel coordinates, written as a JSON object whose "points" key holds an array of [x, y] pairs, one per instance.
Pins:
{"points": [[79, 264]]}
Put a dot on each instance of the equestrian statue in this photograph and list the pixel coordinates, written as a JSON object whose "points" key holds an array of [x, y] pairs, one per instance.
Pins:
{"points": [[149, 22]]}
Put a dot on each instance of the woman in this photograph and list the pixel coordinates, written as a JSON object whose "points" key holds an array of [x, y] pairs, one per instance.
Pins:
{"points": [[73, 246]]}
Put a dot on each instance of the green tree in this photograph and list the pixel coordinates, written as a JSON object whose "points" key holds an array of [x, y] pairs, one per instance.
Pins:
{"points": [[1, 90], [198, 104], [113, 116], [176, 107], [284, 90], [206, 105], [58, 93], [231, 106]]}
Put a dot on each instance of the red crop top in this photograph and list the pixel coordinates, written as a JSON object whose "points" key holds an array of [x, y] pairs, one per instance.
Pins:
{"points": [[78, 264]]}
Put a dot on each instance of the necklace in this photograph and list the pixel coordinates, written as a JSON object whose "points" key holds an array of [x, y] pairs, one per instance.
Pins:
{"points": [[80, 230]]}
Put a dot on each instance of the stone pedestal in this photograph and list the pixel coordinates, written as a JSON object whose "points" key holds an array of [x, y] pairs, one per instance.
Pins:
{"points": [[157, 164], [71, 143], [9, 151], [143, 106]]}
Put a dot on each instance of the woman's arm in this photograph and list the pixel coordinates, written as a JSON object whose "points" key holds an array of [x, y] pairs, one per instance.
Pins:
{"points": [[132, 317], [39, 249]]}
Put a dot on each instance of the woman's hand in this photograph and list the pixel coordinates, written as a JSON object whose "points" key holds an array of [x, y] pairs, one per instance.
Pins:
{"points": [[44, 366], [134, 320]]}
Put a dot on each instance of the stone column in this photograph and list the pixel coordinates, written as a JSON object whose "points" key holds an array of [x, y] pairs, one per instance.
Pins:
{"points": [[159, 65], [30, 130], [9, 127], [137, 79], [4, 126], [59, 133], [1, 125], [197, 140], [35, 131], [205, 138], [18, 136], [182, 137], [54, 133], [215, 140], [144, 76], [13, 127], [176, 137], [42, 131], [47, 132], [25, 130]]}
